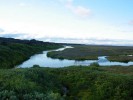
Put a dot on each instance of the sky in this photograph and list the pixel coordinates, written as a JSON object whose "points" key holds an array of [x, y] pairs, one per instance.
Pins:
{"points": [[70, 21]]}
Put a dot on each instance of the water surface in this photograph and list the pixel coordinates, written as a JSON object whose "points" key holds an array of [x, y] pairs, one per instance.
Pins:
{"points": [[44, 61]]}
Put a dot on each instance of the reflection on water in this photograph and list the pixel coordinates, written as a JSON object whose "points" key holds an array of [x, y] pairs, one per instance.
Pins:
{"points": [[43, 60], [103, 61]]}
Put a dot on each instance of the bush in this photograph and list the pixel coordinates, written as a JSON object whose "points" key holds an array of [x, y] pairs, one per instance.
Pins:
{"points": [[36, 66], [95, 64]]}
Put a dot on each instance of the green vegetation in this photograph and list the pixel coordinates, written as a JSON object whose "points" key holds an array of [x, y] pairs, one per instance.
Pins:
{"points": [[96, 84], [121, 58], [28, 84], [69, 83], [84, 52], [12, 54]]}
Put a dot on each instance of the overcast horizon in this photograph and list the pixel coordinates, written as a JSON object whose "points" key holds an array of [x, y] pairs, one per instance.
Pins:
{"points": [[69, 21]]}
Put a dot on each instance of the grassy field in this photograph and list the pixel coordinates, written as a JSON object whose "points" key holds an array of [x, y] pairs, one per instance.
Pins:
{"points": [[84, 52], [69, 83]]}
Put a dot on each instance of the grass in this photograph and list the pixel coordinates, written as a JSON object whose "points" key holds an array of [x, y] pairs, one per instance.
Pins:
{"points": [[121, 58], [84, 52]]}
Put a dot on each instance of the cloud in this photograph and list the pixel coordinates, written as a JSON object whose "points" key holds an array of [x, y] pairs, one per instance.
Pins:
{"points": [[91, 41], [78, 10], [13, 35], [130, 22], [22, 4], [81, 11], [1, 30]]}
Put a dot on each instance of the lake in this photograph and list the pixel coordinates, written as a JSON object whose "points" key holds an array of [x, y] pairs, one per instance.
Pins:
{"points": [[44, 61]]}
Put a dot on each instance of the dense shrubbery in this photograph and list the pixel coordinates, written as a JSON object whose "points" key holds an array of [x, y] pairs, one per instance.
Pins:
{"points": [[87, 83], [28, 84], [70, 83], [12, 54]]}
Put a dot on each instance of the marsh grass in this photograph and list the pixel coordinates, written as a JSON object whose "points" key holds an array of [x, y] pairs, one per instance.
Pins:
{"points": [[84, 52]]}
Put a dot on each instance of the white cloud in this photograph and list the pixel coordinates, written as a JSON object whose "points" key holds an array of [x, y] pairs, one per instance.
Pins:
{"points": [[130, 22], [81, 11], [1, 30], [22, 4], [78, 10], [69, 4], [68, 1]]}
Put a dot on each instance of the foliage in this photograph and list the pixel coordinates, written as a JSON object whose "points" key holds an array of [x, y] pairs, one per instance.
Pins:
{"points": [[69, 83], [13, 54], [89, 83], [28, 84], [95, 64], [121, 58]]}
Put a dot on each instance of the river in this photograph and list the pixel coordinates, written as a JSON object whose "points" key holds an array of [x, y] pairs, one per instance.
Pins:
{"points": [[44, 61]]}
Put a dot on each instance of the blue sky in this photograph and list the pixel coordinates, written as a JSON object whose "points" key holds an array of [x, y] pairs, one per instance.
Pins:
{"points": [[75, 21]]}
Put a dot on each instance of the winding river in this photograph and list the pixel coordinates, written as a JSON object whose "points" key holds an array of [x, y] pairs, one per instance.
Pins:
{"points": [[44, 61]]}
